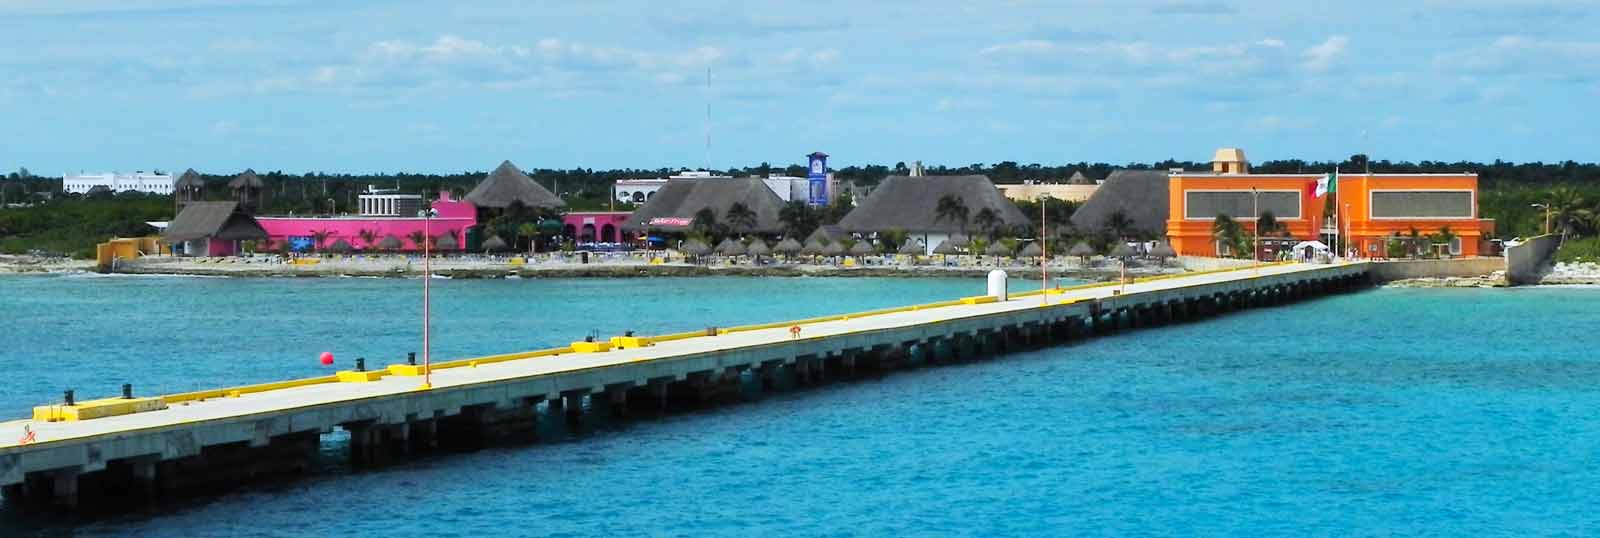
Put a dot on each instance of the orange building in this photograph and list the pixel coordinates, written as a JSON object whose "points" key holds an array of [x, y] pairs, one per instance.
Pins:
{"points": [[1371, 207]]}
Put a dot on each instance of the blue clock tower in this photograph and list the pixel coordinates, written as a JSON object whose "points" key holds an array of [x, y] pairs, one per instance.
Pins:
{"points": [[817, 177]]}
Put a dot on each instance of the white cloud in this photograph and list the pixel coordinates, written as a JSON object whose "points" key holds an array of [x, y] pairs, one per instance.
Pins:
{"points": [[1222, 60], [1519, 55], [1323, 56]]}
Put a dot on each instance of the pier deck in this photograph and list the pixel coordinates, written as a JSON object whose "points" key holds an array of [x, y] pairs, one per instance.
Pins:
{"points": [[394, 408]]}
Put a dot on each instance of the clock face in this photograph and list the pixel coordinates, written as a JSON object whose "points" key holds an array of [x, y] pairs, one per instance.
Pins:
{"points": [[816, 167]]}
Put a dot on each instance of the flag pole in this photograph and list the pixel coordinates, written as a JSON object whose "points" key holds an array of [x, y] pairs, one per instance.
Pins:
{"points": [[1044, 254]]}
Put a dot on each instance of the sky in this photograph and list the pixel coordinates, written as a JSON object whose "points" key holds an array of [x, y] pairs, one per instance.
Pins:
{"points": [[386, 86]]}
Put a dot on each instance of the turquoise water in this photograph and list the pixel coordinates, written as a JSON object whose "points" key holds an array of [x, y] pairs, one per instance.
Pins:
{"points": [[1390, 411]]}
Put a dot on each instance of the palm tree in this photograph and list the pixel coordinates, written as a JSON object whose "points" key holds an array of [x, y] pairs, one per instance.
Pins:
{"points": [[953, 208], [988, 221], [740, 217], [705, 223], [1229, 233], [530, 231], [1119, 224], [318, 237], [1268, 224], [1567, 208], [417, 238], [798, 219], [369, 237]]}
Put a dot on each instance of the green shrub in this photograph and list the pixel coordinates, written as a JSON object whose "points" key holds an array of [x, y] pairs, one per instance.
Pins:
{"points": [[1579, 250]]}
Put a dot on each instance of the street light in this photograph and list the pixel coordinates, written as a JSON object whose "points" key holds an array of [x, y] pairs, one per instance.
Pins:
{"points": [[1546, 208], [1255, 238], [427, 216]]}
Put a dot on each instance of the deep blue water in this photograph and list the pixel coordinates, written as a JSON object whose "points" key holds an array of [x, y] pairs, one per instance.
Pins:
{"points": [[1385, 412]]}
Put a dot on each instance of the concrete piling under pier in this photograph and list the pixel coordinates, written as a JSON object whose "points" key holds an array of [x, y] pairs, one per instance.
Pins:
{"points": [[217, 443]]}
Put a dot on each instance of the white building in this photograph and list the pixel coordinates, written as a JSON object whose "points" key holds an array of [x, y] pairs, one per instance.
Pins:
{"points": [[789, 188], [115, 182], [640, 190]]}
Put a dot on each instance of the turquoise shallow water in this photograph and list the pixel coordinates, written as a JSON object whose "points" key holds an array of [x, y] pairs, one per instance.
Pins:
{"points": [[1390, 411]]}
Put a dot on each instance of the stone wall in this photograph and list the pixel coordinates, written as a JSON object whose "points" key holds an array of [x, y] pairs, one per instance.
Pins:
{"points": [[1528, 262], [1385, 271]]}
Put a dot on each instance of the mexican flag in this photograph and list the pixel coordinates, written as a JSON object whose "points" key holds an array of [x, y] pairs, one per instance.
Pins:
{"points": [[1328, 183]]}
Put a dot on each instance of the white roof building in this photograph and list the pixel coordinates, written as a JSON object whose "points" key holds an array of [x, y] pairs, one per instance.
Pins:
{"points": [[138, 181]]}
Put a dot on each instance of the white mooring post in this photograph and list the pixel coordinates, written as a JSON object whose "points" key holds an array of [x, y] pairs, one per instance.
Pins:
{"points": [[997, 284]]}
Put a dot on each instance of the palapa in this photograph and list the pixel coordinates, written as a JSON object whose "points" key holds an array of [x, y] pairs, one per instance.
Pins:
{"points": [[911, 246], [694, 247], [1032, 250], [815, 248], [447, 242], [507, 184], [494, 242], [833, 249], [946, 248], [341, 246], [1123, 251], [390, 242], [757, 248], [730, 247], [997, 248], [1081, 250], [861, 248], [788, 246]]}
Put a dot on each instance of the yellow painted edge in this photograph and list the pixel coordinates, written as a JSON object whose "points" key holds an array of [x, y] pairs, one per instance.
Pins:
{"points": [[352, 376]]}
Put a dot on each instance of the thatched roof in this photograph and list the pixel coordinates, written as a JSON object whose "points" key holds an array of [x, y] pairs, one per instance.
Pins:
{"points": [[1081, 249], [190, 180], [997, 248], [1123, 251], [959, 240], [911, 246], [1079, 179], [861, 248], [1163, 250], [694, 247], [815, 246], [340, 246], [673, 208], [221, 220], [494, 242], [391, 242], [508, 184], [447, 242], [1141, 196], [757, 248], [248, 178], [730, 247], [910, 203], [833, 249], [788, 246], [1031, 250]]}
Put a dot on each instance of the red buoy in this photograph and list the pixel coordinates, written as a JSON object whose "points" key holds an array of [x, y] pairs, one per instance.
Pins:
{"points": [[327, 358]]}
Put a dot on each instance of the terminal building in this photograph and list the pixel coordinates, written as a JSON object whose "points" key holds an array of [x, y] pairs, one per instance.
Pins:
{"points": [[1366, 211], [118, 182]]}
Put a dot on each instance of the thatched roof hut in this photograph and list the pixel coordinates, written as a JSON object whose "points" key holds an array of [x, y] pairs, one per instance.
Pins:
{"points": [[997, 248], [673, 208], [788, 246], [507, 184], [946, 248], [1079, 179], [862, 248], [1032, 250], [1163, 250], [959, 240], [220, 220], [391, 242], [341, 246], [247, 179], [911, 204], [1141, 196], [190, 180], [833, 249], [494, 243], [911, 246], [730, 247], [815, 247], [757, 248], [1123, 251]]}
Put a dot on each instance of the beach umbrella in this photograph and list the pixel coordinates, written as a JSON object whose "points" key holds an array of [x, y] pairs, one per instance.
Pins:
{"points": [[959, 241], [494, 242], [833, 249], [815, 247], [757, 248], [946, 248], [341, 246], [1123, 251], [1081, 250], [862, 248], [1033, 250], [448, 242], [730, 247], [390, 242], [997, 248], [694, 247], [1162, 251], [911, 247], [788, 246]]}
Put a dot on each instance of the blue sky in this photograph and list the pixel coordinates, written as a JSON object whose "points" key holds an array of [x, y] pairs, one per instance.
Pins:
{"points": [[358, 86]]}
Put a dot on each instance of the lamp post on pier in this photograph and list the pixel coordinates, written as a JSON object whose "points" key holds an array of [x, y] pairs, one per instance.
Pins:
{"points": [[427, 279]]}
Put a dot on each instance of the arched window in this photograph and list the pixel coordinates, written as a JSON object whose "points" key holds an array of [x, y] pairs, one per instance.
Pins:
{"points": [[639, 196]]}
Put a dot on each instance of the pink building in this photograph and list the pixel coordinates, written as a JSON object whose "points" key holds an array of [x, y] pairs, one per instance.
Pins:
{"points": [[596, 226], [453, 220]]}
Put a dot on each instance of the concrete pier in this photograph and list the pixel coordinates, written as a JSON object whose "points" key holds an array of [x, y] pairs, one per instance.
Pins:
{"points": [[228, 437]]}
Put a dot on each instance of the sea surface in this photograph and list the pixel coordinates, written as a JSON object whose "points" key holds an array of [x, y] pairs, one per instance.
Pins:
{"points": [[1413, 412]]}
